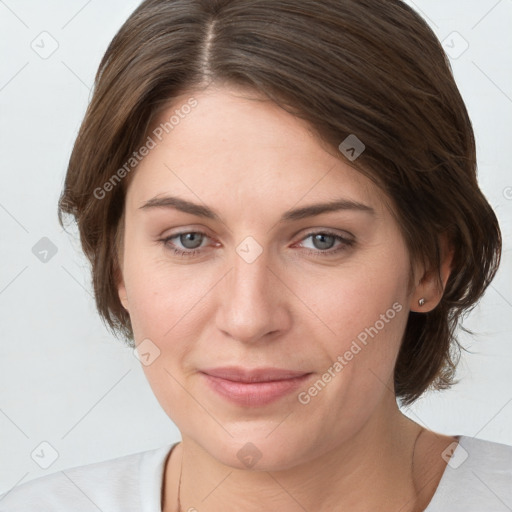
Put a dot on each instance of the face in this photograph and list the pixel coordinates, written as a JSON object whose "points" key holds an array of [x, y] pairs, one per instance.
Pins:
{"points": [[252, 278]]}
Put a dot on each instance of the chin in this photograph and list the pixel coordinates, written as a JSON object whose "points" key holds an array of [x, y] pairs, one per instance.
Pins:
{"points": [[259, 452]]}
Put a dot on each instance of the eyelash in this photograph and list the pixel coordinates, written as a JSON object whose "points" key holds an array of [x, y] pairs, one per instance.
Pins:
{"points": [[345, 244]]}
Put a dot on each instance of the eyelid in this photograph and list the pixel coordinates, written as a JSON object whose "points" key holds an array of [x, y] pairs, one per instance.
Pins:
{"points": [[346, 241], [186, 232], [328, 231]]}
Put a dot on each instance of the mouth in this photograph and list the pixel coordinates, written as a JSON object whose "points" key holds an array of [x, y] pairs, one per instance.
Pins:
{"points": [[253, 387]]}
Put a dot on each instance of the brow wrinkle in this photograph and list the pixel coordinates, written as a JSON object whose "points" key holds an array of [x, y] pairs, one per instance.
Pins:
{"points": [[291, 215], [317, 209], [182, 205]]}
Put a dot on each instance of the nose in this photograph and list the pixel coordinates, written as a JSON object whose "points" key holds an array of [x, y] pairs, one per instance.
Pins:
{"points": [[252, 302]]}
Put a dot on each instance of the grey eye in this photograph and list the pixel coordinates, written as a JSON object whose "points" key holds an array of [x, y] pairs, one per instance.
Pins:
{"points": [[191, 240], [323, 240]]}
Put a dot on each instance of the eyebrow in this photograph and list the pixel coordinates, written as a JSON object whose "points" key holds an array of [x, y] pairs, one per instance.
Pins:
{"points": [[290, 215]]}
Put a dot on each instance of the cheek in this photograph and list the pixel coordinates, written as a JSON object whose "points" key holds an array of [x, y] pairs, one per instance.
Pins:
{"points": [[363, 316], [342, 302], [363, 312], [159, 304], [352, 299], [159, 293], [164, 305]]}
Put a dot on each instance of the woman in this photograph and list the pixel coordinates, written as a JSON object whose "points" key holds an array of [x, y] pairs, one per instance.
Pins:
{"points": [[280, 206]]}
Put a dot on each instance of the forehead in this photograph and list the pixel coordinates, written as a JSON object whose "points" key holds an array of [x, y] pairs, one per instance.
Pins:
{"points": [[236, 148]]}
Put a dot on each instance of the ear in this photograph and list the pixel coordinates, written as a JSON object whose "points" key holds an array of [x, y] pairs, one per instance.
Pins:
{"points": [[119, 263], [121, 291], [428, 286], [119, 280]]}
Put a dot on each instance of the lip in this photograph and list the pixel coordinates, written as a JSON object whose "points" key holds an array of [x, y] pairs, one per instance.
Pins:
{"points": [[253, 387], [245, 375]]}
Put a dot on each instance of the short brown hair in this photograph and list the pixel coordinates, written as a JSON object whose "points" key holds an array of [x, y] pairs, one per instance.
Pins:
{"points": [[365, 67]]}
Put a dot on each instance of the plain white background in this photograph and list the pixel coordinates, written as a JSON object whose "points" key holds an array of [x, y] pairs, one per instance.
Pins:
{"points": [[64, 380]]}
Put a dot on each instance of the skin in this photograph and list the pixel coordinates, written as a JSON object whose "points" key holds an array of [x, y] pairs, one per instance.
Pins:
{"points": [[350, 447]]}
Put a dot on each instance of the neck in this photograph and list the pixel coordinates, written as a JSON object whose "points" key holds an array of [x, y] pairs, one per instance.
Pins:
{"points": [[374, 469]]}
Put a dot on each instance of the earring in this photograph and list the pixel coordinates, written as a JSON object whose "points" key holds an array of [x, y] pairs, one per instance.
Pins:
{"points": [[422, 301]]}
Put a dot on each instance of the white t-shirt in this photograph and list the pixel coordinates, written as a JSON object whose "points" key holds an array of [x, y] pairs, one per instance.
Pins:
{"points": [[478, 478]]}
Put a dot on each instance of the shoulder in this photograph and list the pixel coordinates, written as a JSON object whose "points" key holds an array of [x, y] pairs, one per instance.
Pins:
{"points": [[114, 485], [486, 458], [478, 477]]}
